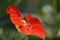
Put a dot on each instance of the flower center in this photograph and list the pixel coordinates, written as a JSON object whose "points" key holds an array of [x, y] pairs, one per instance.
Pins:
{"points": [[25, 23]]}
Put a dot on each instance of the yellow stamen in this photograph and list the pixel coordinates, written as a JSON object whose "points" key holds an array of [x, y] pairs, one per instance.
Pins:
{"points": [[24, 21], [17, 27]]}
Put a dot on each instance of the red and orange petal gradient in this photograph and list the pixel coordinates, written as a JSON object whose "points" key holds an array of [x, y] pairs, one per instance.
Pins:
{"points": [[30, 26]]}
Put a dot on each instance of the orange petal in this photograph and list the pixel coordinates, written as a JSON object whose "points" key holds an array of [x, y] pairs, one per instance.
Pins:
{"points": [[15, 20], [15, 15], [12, 10], [31, 20], [25, 30], [38, 30]]}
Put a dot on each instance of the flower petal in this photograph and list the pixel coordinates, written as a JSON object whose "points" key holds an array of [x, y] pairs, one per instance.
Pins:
{"points": [[15, 15], [12, 10], [25, 30], [15, 20], [31, 20], [38, 30]]}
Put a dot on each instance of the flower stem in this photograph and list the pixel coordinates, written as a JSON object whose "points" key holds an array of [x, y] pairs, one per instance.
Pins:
{"points": [[16, 36], [26, 38]]}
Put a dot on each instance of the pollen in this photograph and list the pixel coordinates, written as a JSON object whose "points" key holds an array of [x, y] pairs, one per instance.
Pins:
{"points": [[24, 22]]}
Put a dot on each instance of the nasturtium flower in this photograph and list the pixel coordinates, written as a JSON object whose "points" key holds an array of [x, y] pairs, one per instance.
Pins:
{"points": [[30, 26]]}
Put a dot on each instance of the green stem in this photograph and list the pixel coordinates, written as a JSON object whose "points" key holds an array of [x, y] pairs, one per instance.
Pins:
{"points": [[16, 36], [26, 38]]}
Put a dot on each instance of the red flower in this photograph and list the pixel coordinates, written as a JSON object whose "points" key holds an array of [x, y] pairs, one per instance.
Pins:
{"points": [[30, 26]]}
